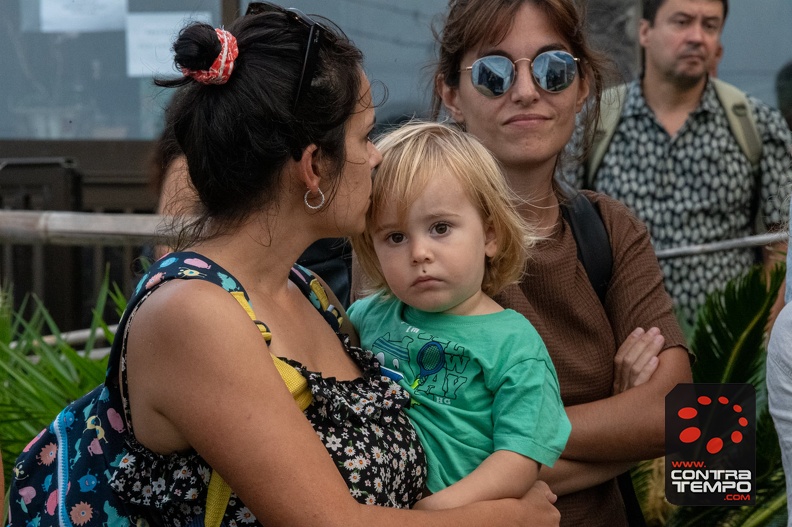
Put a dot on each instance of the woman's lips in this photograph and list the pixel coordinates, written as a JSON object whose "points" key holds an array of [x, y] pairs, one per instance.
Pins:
{"points": [[526, 119]]}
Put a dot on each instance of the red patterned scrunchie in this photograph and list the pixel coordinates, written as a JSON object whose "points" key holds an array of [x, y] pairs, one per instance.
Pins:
{"points": [[221, 68]]}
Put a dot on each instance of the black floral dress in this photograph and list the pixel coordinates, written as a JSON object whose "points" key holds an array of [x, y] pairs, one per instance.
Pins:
{"points": [[359, 421]]}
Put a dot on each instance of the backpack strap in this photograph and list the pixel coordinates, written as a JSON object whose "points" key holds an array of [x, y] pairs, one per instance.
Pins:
{"points": [[219, 491], [591, 238], [742, 124], [197, 267], [741, 119], [611, 104]]}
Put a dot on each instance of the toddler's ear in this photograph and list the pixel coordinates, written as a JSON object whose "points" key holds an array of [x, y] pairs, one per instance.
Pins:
{"points": [[490, 240]]}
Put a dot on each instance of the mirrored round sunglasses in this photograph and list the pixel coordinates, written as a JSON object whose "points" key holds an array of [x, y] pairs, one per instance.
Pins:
{"points": [[553, 71]]}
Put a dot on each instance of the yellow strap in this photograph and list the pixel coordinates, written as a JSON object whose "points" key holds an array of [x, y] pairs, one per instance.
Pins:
{"points": [[296, 383], [219, 492], [216, 500]]}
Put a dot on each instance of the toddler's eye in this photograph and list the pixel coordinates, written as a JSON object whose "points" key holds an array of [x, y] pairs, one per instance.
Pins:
{"points": [[440, 228], [396, 237]]}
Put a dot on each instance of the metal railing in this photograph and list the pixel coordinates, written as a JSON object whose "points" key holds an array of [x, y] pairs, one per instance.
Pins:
{"points": [[78, 228], [755, 240], [102, 229], [87, 228], [31, 242]]}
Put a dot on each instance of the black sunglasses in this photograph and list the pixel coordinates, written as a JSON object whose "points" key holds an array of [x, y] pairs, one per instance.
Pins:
{"points": [[553, 71], [316, 34]]}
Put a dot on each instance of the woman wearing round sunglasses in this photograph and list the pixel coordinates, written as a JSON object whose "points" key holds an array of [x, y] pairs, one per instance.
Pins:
{"points": [[515, 74]]}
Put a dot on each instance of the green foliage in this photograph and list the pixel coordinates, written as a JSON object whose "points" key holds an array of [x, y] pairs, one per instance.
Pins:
{"points": [[40, 375], [729, 343], [729, 337]]}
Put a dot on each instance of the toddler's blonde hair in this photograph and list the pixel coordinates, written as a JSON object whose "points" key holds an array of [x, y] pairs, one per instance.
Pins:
{"points": [[414, 153]]}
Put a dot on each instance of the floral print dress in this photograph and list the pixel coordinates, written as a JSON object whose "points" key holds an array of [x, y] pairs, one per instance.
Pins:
{"points": [[360, 422]]}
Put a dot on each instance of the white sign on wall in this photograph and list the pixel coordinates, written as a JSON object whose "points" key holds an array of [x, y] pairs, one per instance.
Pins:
{"points": [[149, 39], [66, 16]]}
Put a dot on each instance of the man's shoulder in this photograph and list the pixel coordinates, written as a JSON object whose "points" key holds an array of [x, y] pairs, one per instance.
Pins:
{"points": [[726, 92], [768, 122], [768, 119]]}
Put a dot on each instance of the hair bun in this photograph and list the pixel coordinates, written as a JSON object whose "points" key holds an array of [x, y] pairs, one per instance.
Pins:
{"points": [[223, 64]]}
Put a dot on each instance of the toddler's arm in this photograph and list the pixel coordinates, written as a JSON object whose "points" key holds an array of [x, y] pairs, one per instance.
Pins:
{"points": [[504, 474]]}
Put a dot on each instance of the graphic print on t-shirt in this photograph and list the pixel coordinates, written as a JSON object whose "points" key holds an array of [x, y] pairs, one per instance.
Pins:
{"points": [[424, 363]]}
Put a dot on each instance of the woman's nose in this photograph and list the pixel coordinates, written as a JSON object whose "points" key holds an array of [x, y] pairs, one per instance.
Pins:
{"points": [[524, 90]]}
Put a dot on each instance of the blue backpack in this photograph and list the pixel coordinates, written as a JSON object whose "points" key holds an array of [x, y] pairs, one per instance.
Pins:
{"points": [[64, 476]]}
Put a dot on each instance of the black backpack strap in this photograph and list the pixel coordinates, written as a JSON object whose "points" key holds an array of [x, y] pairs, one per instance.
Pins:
{"points": [[594, 252], [591, 238]]}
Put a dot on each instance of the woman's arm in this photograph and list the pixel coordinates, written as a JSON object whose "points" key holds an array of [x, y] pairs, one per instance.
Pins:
{"points": [[629, 426], [635, 363], [503, 474], [201, 377], [570, 475], [779, 389]]}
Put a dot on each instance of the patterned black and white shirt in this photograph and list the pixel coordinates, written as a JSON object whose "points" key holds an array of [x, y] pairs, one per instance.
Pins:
{"points": [[697, 187]]}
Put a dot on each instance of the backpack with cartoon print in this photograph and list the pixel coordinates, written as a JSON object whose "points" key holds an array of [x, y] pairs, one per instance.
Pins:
{"points": [[66, 475], [74, 457]]}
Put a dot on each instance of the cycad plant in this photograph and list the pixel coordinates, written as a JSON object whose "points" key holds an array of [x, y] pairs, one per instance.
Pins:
{"points": [[40, 375], [729, 343]]}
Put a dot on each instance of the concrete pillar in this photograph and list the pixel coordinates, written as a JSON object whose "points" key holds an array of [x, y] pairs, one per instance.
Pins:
{"points": [[613, 28]]}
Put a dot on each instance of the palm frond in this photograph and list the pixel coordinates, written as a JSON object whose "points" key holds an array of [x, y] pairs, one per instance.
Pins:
{"points": [[39, 376], [119, 300], [729, 342], [649, 481], [729, 337], [6, 313]]}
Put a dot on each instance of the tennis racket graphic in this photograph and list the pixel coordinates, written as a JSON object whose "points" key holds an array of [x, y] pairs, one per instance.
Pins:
{"points": [[431, 359]]}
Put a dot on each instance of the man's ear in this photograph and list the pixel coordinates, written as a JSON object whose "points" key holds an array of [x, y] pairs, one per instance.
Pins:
{"points": [[450, 97], [309, 168], [490, 240], [643, 32]]}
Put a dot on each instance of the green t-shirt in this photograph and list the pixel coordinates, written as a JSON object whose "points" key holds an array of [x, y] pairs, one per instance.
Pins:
{"points": [[479, 383]]}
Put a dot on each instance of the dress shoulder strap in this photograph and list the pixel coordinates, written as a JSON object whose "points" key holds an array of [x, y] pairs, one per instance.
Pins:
{"points": [[313, 289]]}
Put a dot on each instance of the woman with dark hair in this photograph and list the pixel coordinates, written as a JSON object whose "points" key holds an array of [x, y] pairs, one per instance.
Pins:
{"points": [[515, 73], [273, 116]]}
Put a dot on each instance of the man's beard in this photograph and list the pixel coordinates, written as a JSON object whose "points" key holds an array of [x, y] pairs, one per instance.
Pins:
{"points": [[686, 80]]}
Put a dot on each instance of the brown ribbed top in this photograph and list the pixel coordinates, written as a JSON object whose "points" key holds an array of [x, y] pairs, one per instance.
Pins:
{"points": [[582, 336]]}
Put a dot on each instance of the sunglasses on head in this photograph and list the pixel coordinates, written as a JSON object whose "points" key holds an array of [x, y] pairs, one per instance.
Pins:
{"points": [[316, 33], [553, 71]]}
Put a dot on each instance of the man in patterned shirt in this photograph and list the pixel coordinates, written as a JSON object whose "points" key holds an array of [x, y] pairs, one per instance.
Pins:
{"points": [[675, 161]]}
